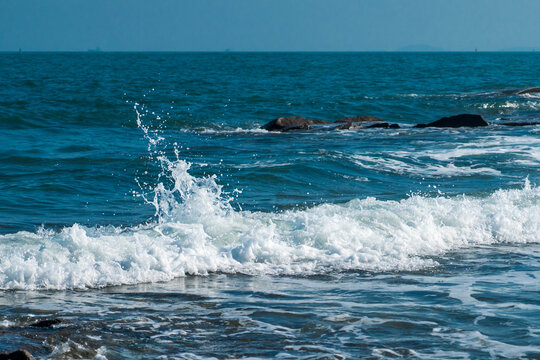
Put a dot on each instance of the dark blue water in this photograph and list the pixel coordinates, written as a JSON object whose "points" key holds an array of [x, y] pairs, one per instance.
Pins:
{"points": [[141, 204]]}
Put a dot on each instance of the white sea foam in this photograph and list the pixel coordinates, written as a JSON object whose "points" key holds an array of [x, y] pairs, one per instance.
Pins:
{"points": [[262, 164], [433, 170], [524, 150], [198, 232], [511, 105], [235, 131], [524, 146], [535, 95], [6, 324], [477, 340]]}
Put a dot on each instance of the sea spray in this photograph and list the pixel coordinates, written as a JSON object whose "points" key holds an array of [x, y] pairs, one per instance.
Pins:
{"points": [[196, 231], [72, 149], [202, 234]]}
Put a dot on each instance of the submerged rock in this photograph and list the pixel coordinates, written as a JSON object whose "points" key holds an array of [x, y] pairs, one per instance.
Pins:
{"points": [[359, 118], [529, 91], [362, 122], [46, 323], [292, 123], [17, 355], [520, 123], [358, 125], [383, 125], [298, 127], [462, 120], [349, 126]]}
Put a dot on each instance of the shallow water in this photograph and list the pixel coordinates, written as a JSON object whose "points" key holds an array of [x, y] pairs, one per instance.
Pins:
{"points": [[141, 204], [482, 303]]}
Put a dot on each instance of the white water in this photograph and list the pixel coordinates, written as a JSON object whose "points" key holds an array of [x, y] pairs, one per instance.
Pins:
{"points": [[198, 232]]}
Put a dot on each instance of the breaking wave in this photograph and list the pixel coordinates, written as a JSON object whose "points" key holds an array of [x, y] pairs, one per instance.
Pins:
{"points": [[197, 232]]}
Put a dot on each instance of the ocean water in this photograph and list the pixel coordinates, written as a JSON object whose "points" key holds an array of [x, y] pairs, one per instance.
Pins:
{"points": [[142, 205]]}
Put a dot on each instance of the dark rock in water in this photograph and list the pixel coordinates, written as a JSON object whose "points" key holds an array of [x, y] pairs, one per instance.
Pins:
{"points": [[383, 125], [299, 127], [357, 125], [46, 323], [17, 355], [520, 123], [529, 91], [519, 91], [363, 122], [463, 120], [360, 118], [350, 126], [292, 123]]}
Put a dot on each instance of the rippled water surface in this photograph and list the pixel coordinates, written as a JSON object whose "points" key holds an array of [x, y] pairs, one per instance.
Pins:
{"points": [[142, 206]]}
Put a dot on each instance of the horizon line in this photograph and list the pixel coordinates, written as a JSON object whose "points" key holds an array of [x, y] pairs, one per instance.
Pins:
{"points": [[94, 51]]}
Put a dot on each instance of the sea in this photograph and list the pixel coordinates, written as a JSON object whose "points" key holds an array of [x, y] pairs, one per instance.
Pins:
{"points": [[145, 214]]}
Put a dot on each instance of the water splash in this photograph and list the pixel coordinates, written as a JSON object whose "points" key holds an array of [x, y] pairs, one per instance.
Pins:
{"points": [[196, 231]]}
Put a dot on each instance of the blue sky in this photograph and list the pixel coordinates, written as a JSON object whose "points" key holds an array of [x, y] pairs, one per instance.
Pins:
{"points": [[264, 25]]}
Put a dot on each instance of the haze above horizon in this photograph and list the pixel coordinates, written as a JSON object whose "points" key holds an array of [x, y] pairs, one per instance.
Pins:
{"points": [[278, 25]]}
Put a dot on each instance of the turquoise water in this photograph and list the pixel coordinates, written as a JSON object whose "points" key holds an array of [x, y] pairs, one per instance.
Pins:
{"points": [[141, 204]]}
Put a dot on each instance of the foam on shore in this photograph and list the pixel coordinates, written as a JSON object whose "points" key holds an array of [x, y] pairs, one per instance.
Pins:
{"points": [[197, 232]]}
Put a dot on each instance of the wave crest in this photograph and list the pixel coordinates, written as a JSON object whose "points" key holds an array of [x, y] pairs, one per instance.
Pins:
{"points": [[197, 232]]}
